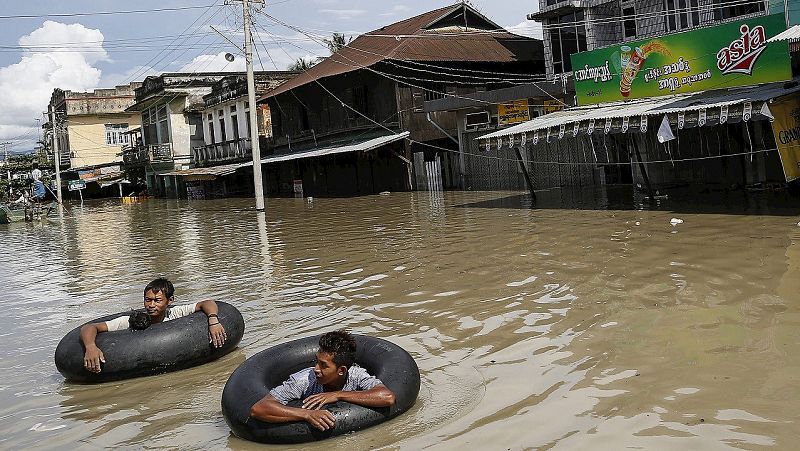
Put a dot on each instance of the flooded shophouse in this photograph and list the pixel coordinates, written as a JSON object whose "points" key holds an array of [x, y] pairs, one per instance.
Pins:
{"points": [[355, 123], [661, 109]]}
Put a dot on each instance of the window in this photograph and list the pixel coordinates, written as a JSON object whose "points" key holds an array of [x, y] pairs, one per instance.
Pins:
{"points": [[222, 134], [304, 119], [235, 127], [739, 8], [247, 119], [211, 134], [163, 125], [567, 36], [115, 134], [681, 14], [629, 22]]}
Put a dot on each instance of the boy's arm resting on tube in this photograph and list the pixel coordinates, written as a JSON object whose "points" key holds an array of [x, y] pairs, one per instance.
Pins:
{"points": [[93, 356], [216, 332], [271, 410], [377, 396]]}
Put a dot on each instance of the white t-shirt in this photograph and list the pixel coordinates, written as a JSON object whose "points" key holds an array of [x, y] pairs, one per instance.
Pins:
{"points": [[175, 312], [36, 175]]}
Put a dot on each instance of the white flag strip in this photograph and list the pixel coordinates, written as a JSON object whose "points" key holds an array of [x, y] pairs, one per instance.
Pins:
{"points": [[664, 131], [766, 112]]}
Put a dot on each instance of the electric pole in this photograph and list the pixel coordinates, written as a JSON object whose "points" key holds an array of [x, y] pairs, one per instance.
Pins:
{"points": [[8, 168], [56, 153], [258, 181]]}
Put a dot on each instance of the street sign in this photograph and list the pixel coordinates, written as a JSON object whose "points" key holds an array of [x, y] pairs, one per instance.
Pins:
{"points": [[76, 185]]}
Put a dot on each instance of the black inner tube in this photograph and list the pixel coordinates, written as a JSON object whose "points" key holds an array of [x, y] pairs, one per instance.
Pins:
{"points": [[169, 346], [271, 367]]}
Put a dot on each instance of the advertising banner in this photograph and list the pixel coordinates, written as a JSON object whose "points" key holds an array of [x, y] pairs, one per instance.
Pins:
{"points": [[513, 112], [786, 128], [728, 55]]}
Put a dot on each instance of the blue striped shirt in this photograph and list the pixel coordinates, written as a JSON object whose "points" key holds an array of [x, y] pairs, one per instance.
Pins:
{"points": [[303, 384]]}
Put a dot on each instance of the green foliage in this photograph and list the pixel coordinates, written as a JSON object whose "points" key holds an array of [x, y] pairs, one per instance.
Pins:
{"points": [[24, 163], [301, 65], [336, 42]]}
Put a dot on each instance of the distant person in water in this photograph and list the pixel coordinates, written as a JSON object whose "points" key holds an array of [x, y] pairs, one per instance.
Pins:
{"points": [[335, 377], [157, 297], [38, 185]]}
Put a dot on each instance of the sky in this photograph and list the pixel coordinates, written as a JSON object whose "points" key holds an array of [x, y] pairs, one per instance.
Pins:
{"points": [[52, 44]]}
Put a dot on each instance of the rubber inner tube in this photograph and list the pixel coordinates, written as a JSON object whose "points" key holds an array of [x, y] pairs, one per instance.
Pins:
{"points": [[169, 346], [270, 368]]}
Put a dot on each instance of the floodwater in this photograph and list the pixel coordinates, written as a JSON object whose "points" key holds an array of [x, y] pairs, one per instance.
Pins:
{"points": [[534, 328]]}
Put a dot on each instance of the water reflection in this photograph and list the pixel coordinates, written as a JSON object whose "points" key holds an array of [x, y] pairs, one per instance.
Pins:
{"points": [[532, 327]]}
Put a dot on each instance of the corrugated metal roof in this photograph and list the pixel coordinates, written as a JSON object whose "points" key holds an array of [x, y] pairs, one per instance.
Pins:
{"points": [[652, 106], [792, 35], [411, 40], [223, 170]]}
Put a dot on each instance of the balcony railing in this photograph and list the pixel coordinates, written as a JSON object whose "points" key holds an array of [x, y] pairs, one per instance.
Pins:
{"points": [[222, 152], [150, 153]]}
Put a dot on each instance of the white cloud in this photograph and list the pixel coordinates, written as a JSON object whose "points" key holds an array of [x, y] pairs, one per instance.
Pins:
{"points": [[344, 14], [215, 63], [527, 28], [26, 86]]}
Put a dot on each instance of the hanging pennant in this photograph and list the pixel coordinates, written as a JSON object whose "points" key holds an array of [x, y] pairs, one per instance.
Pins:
{"points": [[523, 139], [643, 124], [681, 119], [536, 137], [701, 117], [723, 114], [547, 138], [590, 127], [499, 143], [625, 122], [488, 144], [510, 141], [747, 113], [575, 129], [561, 131], [608, 126]]}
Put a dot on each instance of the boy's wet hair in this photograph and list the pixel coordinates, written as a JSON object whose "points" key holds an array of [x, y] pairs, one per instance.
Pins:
{"points": [[340, 345], [161, 285], [138, 320]]}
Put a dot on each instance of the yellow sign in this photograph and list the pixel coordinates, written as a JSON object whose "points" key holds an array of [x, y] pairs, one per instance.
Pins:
{"points": [[786, 128], [551, 106], [513, 112]]}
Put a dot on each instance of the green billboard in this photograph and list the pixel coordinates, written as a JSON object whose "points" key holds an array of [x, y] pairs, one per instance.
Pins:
{"points": [[733, 54]]}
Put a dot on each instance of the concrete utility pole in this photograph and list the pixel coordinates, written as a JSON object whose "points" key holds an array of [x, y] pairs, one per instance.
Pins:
{"points": [[56, 154], [5, 162], [258, 182]]}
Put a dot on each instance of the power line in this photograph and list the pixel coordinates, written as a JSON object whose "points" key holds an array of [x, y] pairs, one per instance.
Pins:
{"points": [[103, 13]]}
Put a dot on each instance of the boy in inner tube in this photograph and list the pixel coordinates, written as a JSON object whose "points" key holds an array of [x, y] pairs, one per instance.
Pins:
{"points": [[333, 378], [158, 295]]}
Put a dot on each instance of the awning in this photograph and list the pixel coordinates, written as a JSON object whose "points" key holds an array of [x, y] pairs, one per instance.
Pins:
{"points": [[213, 172], [705, 108], [791, 35]]}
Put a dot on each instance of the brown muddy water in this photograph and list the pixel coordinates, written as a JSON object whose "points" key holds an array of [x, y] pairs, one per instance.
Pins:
{"points": [[544, 328]]}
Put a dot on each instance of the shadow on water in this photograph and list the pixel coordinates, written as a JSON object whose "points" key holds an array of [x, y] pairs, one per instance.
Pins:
{"points": [[624, 197]]}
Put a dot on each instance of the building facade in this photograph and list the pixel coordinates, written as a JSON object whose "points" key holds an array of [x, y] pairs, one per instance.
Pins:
{"points": [[92, 126], [374, 90], [170, 106]]}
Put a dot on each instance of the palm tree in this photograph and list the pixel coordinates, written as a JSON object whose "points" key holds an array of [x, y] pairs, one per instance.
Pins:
{"points": [[301, 65], [337, 41]]}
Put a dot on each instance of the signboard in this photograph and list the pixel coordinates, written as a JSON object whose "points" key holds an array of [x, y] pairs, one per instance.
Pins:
{"points": [[76, 185], [786, 128], [513, 112], [733, 54], [551, 106]]}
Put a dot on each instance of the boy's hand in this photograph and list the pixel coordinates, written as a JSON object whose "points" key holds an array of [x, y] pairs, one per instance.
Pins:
{"points": [[321, 419], [320, 399], [217, 335], [92, 359]]}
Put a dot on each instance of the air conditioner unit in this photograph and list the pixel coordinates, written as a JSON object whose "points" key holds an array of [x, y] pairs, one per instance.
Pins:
{"points": [[474, 121]]}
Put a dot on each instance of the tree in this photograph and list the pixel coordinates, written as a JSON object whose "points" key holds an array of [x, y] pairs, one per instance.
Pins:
{"points": [[336, 42], [301, 65]]}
